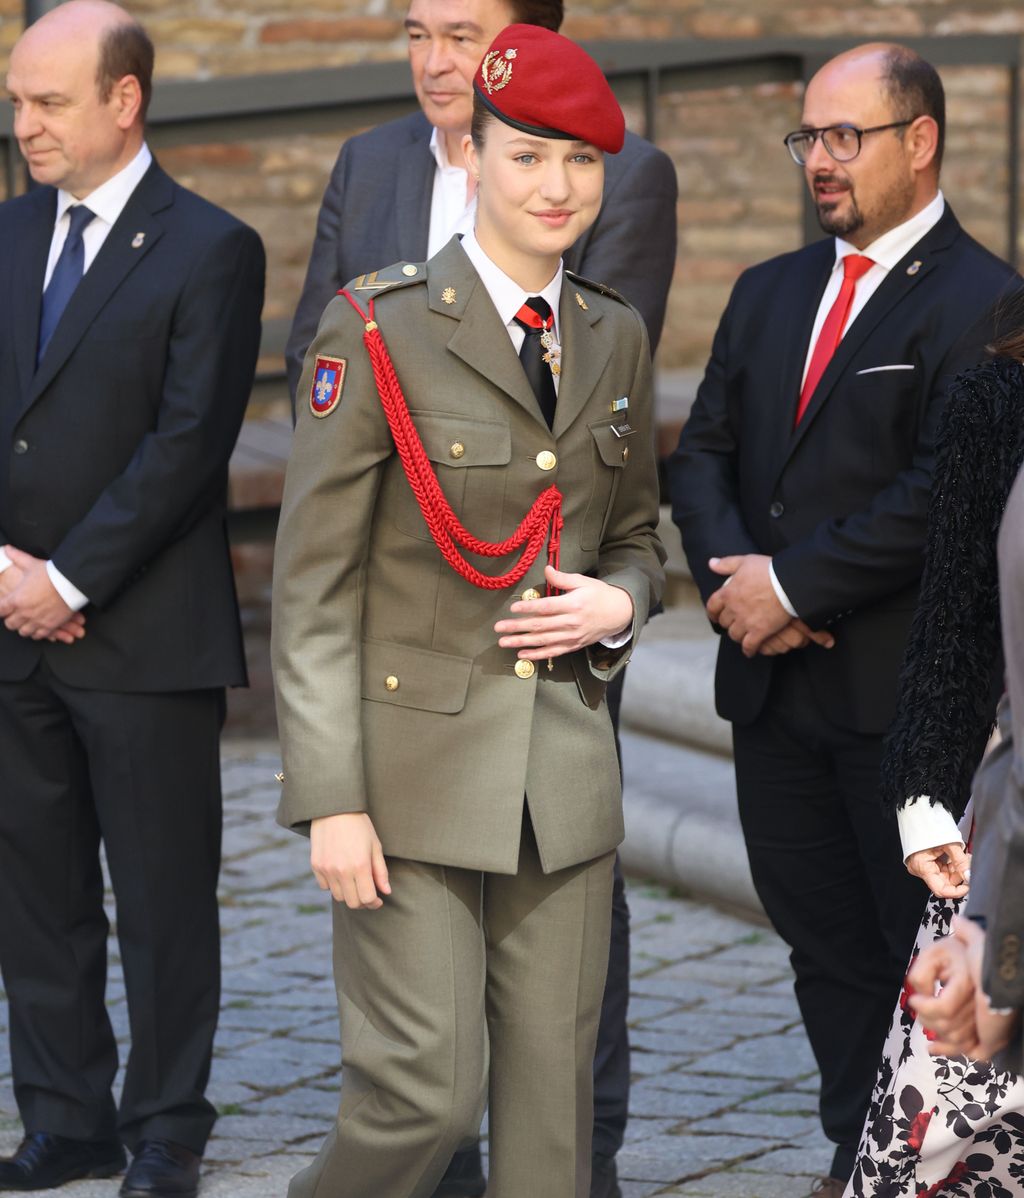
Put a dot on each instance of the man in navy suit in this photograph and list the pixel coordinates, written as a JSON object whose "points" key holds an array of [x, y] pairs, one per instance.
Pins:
{"points": [[800, 487], [401, 191], [129, 329]]}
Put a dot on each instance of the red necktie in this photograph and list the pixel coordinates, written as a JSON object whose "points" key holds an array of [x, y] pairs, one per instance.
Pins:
{"points": [[854, 266]]}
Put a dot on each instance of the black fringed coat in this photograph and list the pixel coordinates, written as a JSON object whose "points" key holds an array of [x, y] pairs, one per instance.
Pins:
{"points": [[952, 673]]}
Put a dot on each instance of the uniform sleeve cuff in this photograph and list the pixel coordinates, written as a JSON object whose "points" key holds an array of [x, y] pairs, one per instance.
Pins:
{"points": [[71, 595], [618, 639], [924, 825]]}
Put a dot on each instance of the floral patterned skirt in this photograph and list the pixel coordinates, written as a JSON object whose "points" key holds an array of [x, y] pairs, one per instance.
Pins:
{"points": [[938, 1127]]}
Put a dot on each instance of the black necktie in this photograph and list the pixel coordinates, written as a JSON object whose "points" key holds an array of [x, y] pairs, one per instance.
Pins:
{"points": [[67, 274], [535, 319]]}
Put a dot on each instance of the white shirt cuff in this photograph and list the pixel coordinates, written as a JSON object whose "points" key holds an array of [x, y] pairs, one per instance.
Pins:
{"points": [[924, 825], [5, 561], [618, 639], [71, 595], [780, 594]]}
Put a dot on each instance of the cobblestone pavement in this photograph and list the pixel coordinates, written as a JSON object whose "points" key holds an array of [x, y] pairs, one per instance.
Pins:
{"points": [[724, 1094]]}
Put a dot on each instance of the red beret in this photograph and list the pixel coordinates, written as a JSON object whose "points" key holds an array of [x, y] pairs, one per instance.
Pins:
{"points": [[542, 83]]}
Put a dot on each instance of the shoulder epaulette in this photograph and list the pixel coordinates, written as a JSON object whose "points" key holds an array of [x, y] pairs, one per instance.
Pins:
{"points": [[600, 288], [399, 274]]}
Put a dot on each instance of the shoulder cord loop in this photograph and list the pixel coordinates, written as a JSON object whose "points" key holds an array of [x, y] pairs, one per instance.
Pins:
{"points": [[544, 517]]}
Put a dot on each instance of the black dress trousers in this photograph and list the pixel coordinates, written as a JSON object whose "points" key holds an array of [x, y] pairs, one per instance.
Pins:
{"points": [[141, 774], [827, 865]]}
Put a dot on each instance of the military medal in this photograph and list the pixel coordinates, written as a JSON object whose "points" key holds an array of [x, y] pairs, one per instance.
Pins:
{"points": [[552, 352]]}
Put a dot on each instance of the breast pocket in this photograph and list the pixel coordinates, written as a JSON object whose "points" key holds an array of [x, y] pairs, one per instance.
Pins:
{"points": [[608, 462], [470, 456]]}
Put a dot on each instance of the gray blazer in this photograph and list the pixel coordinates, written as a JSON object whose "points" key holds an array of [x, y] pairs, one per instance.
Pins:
{"points": [[376, 210], [997, 885]]}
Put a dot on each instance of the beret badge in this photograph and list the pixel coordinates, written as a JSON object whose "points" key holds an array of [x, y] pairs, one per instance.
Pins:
{"points": [[496, 70]]}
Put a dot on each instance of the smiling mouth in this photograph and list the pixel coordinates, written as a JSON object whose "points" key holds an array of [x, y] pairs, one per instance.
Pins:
{"points": [[554, 215], [829, 189]]}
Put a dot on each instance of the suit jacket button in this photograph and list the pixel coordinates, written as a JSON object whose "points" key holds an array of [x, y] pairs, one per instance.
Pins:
{"points": [[458, 450], [532, 593], [20, 446], [776, 510], [546, 460], [391, 683], [525, 669]]}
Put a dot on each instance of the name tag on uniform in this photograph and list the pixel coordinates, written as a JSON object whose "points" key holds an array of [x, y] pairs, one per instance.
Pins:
{"points": [[624, 429]]}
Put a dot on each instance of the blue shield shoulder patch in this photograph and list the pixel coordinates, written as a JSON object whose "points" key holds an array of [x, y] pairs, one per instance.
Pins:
{"points": [[328, 379]]}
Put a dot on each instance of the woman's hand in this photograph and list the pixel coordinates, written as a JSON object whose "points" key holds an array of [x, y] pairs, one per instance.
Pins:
{"points": [[945, 869], [948, 1015], [348, 860], [586, 612]]}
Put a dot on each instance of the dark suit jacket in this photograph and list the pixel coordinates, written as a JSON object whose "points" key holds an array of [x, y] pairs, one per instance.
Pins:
{"points": [[116, 448], [997, 870], [376, 210], [841, 501]]}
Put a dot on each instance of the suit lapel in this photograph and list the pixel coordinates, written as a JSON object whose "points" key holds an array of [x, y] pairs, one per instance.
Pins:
{"points": [[800, 301], [121, 253], [584, 356], [905, 276], [28, 270], [414, 183], [479, 338]]}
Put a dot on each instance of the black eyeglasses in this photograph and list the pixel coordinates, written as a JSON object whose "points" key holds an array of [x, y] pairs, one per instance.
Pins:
{"points": [[841, 141]]}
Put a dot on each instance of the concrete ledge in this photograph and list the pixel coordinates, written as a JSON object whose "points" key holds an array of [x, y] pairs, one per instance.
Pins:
{"points": [[682, 825]]}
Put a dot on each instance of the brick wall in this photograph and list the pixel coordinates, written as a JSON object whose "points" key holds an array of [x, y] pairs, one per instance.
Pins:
{"points": [[740, 196]]}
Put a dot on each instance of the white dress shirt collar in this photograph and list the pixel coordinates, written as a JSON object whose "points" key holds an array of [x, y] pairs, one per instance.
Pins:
{"points": [[894, 245], [108, 200], [450, 213], [506, 294]]}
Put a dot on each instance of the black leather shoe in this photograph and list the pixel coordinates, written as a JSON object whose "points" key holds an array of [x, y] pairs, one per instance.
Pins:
{"points": [[464, 1177], [44, 1161], [604, 1177], [160, 1169]]}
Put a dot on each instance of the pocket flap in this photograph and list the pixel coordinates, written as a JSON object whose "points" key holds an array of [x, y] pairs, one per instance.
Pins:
{"points": [[609, 446], [410, 677], [463, 440]]}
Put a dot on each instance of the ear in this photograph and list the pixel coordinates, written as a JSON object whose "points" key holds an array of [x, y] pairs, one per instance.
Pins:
{"points": [[922, 139], [472, 158], [126, 98]]}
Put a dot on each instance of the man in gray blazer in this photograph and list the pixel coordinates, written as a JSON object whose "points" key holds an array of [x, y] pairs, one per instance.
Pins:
{"points": [[401, 191]]}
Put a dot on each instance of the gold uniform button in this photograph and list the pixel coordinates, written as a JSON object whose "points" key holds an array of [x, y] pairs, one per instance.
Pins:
{"points": [[525, 669], [409, 269], [546, 460], [391, 683], [532, 593], [625, 453], [458, 450]]}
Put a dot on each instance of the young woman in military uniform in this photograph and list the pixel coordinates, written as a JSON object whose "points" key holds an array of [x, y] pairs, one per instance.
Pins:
{"points": [[467, 552]]}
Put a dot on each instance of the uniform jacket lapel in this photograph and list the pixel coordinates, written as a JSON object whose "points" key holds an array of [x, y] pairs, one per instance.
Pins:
{"points": [[922, 259], [120, 253], [584, 356], [478, 337], [28, 270]]}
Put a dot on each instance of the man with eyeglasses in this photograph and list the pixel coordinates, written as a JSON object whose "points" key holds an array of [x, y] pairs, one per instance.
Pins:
{"points": [[800, 487]]}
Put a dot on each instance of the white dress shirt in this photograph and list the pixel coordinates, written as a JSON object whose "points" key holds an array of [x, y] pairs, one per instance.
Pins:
{"points": [[921, 825], [449, 211], [106, 204]]}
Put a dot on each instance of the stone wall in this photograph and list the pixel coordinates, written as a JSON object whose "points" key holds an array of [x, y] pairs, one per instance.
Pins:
{"points": [[740, 196]]}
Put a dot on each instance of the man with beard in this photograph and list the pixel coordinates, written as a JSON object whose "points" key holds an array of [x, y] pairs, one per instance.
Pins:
{"points": [[800, 487]]}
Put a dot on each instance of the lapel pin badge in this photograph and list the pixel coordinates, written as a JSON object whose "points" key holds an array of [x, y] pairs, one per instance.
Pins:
{"points": [[620, 405], [914, 267], [448, 295], [137, 240], [582, 302]]}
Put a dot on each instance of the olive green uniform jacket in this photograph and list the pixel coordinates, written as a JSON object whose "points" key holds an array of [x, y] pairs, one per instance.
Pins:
{"points": [[393, 695]]}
